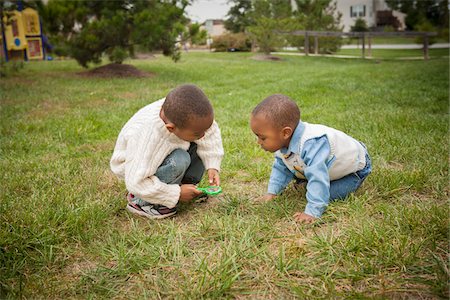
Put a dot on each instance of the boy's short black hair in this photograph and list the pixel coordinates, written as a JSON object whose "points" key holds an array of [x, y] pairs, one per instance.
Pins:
{"points": [[184, 103], [280, 110]]}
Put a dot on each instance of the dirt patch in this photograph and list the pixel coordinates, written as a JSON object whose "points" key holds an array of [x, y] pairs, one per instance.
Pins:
{"points": [[108, 181], [76, 266], [395, 165], [266, 58], [21, 81], [127, 95], [47, 108], [116, 70]]}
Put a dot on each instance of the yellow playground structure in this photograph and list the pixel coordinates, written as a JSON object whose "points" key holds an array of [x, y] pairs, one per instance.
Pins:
{"points": [[21, 36]]}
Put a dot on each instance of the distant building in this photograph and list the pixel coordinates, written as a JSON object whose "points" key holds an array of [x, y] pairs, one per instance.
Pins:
{"points": [[376, 13], [214, 27]]}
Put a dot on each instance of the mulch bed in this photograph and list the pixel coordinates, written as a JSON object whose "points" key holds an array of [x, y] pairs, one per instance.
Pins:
{"points": [[116, 70]]}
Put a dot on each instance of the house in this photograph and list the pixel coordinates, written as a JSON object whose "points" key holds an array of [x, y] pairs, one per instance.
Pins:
{"points": [[376, 13], [214, 27]]}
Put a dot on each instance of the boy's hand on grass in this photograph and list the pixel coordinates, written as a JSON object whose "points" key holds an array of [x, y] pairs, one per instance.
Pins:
{"points": [[265, 198], [189, 192], [301, 217], [213, 176]]}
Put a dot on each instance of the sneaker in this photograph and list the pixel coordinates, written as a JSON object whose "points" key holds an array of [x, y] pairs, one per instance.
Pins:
{"points": [[148, 210]]}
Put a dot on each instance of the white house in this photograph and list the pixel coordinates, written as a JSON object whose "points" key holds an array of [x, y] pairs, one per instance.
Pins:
{"points": [[376, 13], [214, 27]]}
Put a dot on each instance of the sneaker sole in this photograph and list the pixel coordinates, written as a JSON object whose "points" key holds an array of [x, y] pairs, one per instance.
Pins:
{"points": [[143, 214]]}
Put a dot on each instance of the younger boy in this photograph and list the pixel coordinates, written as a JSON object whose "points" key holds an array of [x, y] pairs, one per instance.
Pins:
{"points": [[164, 149], [333, 163]]}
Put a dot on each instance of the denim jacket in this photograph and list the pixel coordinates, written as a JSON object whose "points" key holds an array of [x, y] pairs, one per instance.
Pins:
{"points": [[311, 161]]}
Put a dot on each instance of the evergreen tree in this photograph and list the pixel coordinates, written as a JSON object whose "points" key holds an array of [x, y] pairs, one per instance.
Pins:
{"points": [[434, 12], [360, 26], [92, 29], [239, 16], [268, 17]]}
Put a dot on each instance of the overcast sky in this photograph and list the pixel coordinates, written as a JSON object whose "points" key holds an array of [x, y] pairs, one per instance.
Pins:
{"points": [[202, 10]]}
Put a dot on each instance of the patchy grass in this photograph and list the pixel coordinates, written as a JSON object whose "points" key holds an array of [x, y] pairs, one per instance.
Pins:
{"points": [[64, 232]]}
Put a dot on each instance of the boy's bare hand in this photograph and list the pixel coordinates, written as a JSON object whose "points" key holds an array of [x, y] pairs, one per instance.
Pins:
{"points": [[189, 192], [265, 198], [213, 176], [301, 217]]}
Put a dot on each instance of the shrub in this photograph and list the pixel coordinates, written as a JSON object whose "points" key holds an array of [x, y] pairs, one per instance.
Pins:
{"points": [[426, 26], [117, 55], [237, 41], [10, 67], [264, 33], [359, 26]]}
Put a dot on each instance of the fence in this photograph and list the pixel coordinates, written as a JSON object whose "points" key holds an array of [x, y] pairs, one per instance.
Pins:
{"points": [[363, 36]]}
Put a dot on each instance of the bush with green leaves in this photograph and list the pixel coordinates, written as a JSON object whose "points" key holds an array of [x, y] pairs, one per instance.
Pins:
{"points": [[238, 41], [317, 15], [269, 16], [426, 26], [194, 34], [94, 29], [264, 32], [10, 67], [435, 12], [263, 18], [109, 36], [359, 26]]}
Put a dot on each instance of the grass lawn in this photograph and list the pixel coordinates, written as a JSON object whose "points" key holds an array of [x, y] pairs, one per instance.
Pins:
{"points": [[64, 232]]}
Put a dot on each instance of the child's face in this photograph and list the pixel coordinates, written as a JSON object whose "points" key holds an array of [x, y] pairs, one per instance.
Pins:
{"points": [[270, 138], [195, 129]]}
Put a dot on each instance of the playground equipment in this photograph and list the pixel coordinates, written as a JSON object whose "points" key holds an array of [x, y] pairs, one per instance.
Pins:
{"points": [[21, 36]]}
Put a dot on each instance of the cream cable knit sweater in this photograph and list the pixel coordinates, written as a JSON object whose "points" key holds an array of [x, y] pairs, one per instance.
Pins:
{"points": [[143, 144]]}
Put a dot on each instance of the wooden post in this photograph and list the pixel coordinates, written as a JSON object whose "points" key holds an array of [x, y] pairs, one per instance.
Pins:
{"points": [[425, 47], [316, 45], [363, 45], [369, 41], [306, 43]]}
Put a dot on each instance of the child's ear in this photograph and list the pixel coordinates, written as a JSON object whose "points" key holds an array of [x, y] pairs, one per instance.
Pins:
{"points": [[171, 127], [287, 132]]}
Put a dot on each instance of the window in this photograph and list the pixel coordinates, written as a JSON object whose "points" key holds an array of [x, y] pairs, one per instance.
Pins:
{"points": [[357, 11]]}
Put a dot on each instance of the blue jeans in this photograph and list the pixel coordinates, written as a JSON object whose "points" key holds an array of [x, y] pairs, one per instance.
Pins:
{"points": [[180, 167], [341, 188]]}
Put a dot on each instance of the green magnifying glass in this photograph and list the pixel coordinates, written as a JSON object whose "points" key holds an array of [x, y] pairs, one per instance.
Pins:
{"points": [[211, 190]]}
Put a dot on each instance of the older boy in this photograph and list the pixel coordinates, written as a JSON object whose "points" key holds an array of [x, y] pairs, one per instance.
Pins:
{"points": [[164, 149], [333, 163]]}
